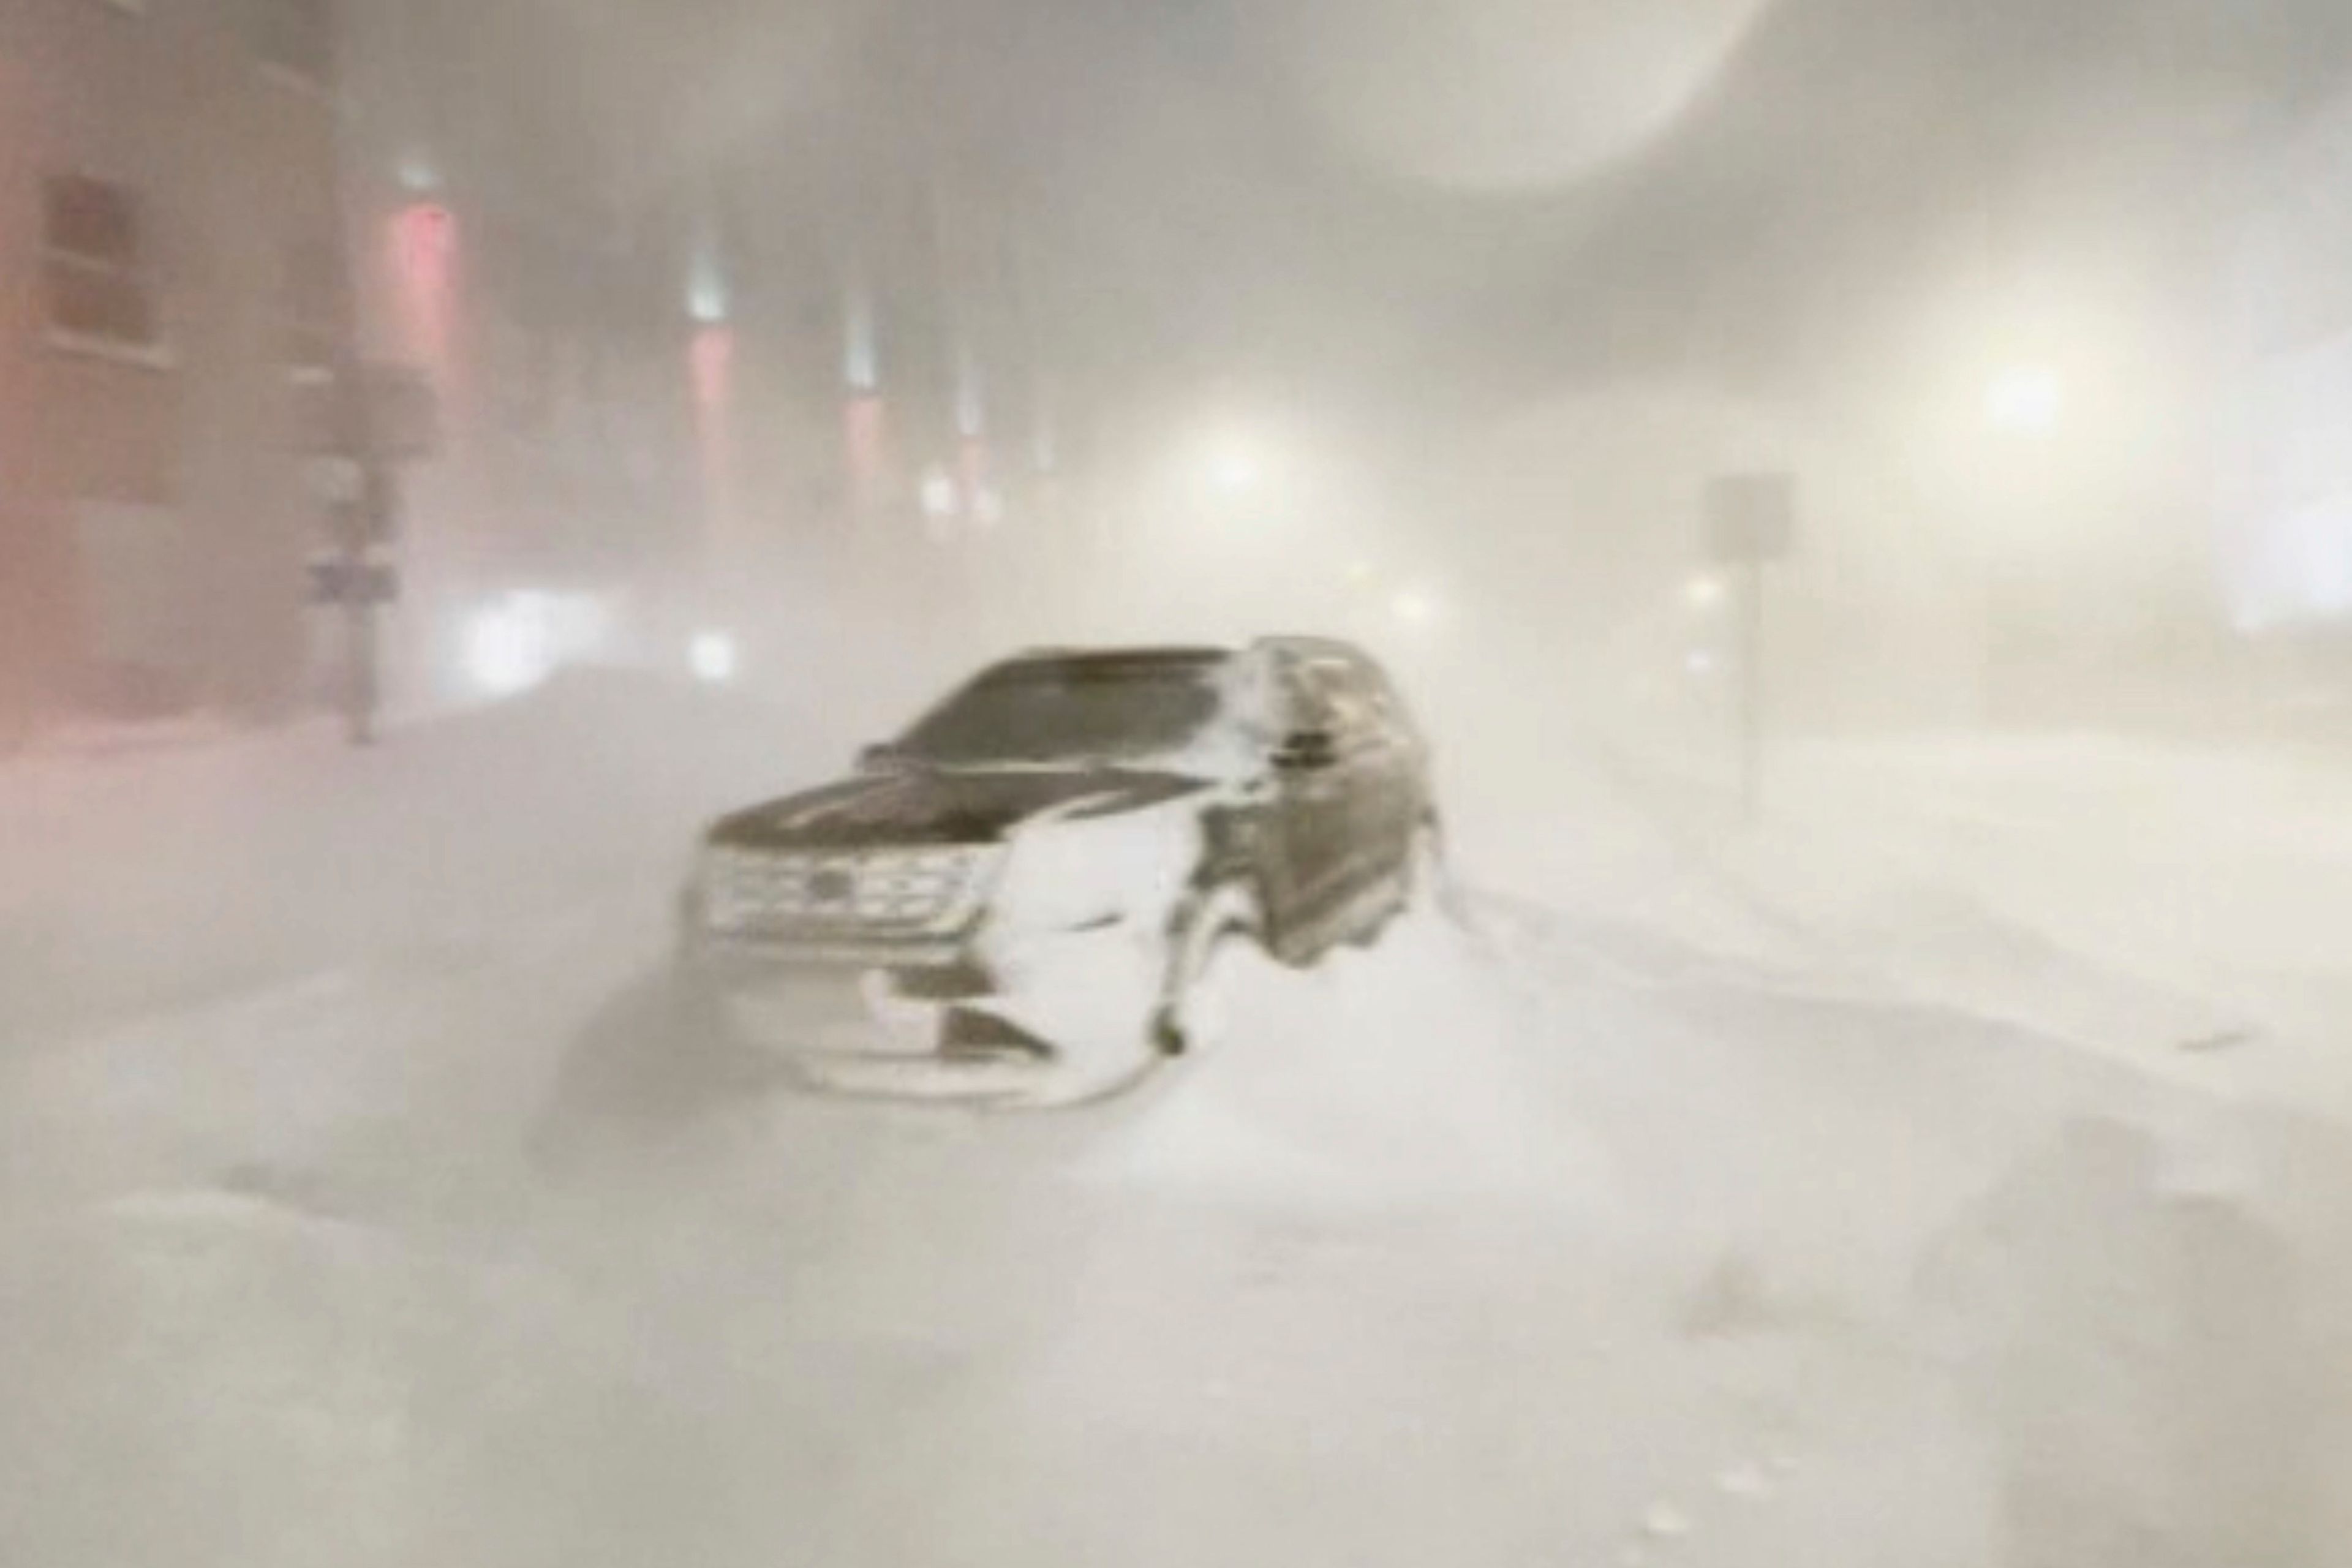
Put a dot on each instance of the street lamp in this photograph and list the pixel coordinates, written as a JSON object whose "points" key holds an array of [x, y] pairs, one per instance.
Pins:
{"points": [[712, 656], [2026, 400], [1233, 467], [508, 648]]}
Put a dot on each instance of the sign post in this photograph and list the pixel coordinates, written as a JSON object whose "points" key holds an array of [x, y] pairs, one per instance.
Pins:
{"points": [[364, 419], [1751, 522]]}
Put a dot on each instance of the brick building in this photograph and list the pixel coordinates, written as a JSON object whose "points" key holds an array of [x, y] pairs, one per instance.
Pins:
{"points": [[170, 271]]}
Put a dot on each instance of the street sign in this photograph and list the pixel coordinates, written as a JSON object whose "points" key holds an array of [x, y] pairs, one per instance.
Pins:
{"points": [[342, 580], [1751, 518], [354, 423]]}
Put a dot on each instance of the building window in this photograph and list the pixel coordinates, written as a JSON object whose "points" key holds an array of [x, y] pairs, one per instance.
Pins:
{"points": [[295, 36], [93, 269]]}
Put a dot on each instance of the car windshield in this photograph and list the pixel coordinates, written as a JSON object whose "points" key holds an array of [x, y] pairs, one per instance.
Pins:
{"points": [[1049, 710]]}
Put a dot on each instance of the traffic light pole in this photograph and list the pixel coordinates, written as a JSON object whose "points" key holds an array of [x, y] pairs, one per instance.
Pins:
{"points": [[369, 520], [368, 517]]}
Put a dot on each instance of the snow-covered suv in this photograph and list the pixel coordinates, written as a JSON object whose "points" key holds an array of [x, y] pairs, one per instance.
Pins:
{"points": [[1039, 887]]}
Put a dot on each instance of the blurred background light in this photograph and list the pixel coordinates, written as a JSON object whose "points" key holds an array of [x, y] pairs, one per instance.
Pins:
{"points": [[507, 646], [713, 657], [2026, 400], [706, 291], [938, 493], [515, 641], [1233, 466]]}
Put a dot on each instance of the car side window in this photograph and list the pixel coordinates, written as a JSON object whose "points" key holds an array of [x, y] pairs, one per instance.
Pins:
{"points": [[1307, 697], [1350, 714], [1381, 695]]}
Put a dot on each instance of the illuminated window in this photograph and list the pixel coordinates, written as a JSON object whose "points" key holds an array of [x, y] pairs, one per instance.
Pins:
{"points": [[94, 275]]}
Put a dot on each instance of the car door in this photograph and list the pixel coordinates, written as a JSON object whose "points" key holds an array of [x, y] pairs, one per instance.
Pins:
{"points": [[1376, 760], [1394, 794], [1310, 840]]}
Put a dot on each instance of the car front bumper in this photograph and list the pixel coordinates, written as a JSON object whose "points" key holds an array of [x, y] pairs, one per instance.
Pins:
{"points": [[989, 1015]]}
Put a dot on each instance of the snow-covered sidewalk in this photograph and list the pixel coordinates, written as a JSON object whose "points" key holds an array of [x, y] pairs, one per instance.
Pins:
{"points": [[2183, 910], [145, 881], [2218, 882]]}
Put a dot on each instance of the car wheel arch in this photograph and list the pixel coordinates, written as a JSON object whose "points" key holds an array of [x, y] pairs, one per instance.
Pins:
{"points": [[1213, 913]]}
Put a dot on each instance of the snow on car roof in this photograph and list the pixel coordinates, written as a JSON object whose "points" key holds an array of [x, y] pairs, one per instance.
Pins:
{"points": [[1115, 660], [1181, 654]]}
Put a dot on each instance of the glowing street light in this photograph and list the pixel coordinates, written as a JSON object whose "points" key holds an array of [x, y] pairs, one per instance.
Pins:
{"points": [[2026, 400], [713, 657], [418, 173], [507, 649], [938, 494], [1235, 467]]}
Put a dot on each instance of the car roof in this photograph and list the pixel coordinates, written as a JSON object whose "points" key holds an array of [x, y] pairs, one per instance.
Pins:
{"points": [[1318, 647], [1117, 660], [1200, 656]]}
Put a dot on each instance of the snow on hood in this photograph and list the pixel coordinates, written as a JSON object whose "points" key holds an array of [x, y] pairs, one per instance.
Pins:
{"points": [[923, 808]]}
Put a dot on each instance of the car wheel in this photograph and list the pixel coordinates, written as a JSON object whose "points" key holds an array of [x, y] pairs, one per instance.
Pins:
{"points": [[1197, 1013]]}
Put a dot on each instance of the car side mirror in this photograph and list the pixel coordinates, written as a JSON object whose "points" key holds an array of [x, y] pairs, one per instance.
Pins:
{"points": [[1305, 751]]}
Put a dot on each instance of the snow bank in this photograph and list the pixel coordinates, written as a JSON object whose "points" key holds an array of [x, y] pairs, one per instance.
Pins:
{"points": [[2175, 907], [133, 881], [1517, 1234], [2179, 907], [209, 1376], [1382, 1078]]}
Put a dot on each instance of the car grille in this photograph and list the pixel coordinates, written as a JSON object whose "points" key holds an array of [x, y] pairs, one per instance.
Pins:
{"points": [[914, 892]]}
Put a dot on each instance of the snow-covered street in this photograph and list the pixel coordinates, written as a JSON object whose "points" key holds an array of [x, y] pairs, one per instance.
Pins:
{"points": [[1167, 784], [390, 1228]]}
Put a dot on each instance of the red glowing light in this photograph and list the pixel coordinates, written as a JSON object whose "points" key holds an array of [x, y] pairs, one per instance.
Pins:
{"points": [[428, 235], [424, 259], [710, 365], [713, 358]]}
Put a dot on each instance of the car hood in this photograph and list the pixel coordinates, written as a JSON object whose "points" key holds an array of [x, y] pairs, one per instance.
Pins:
{"points": [[921, 808]]}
